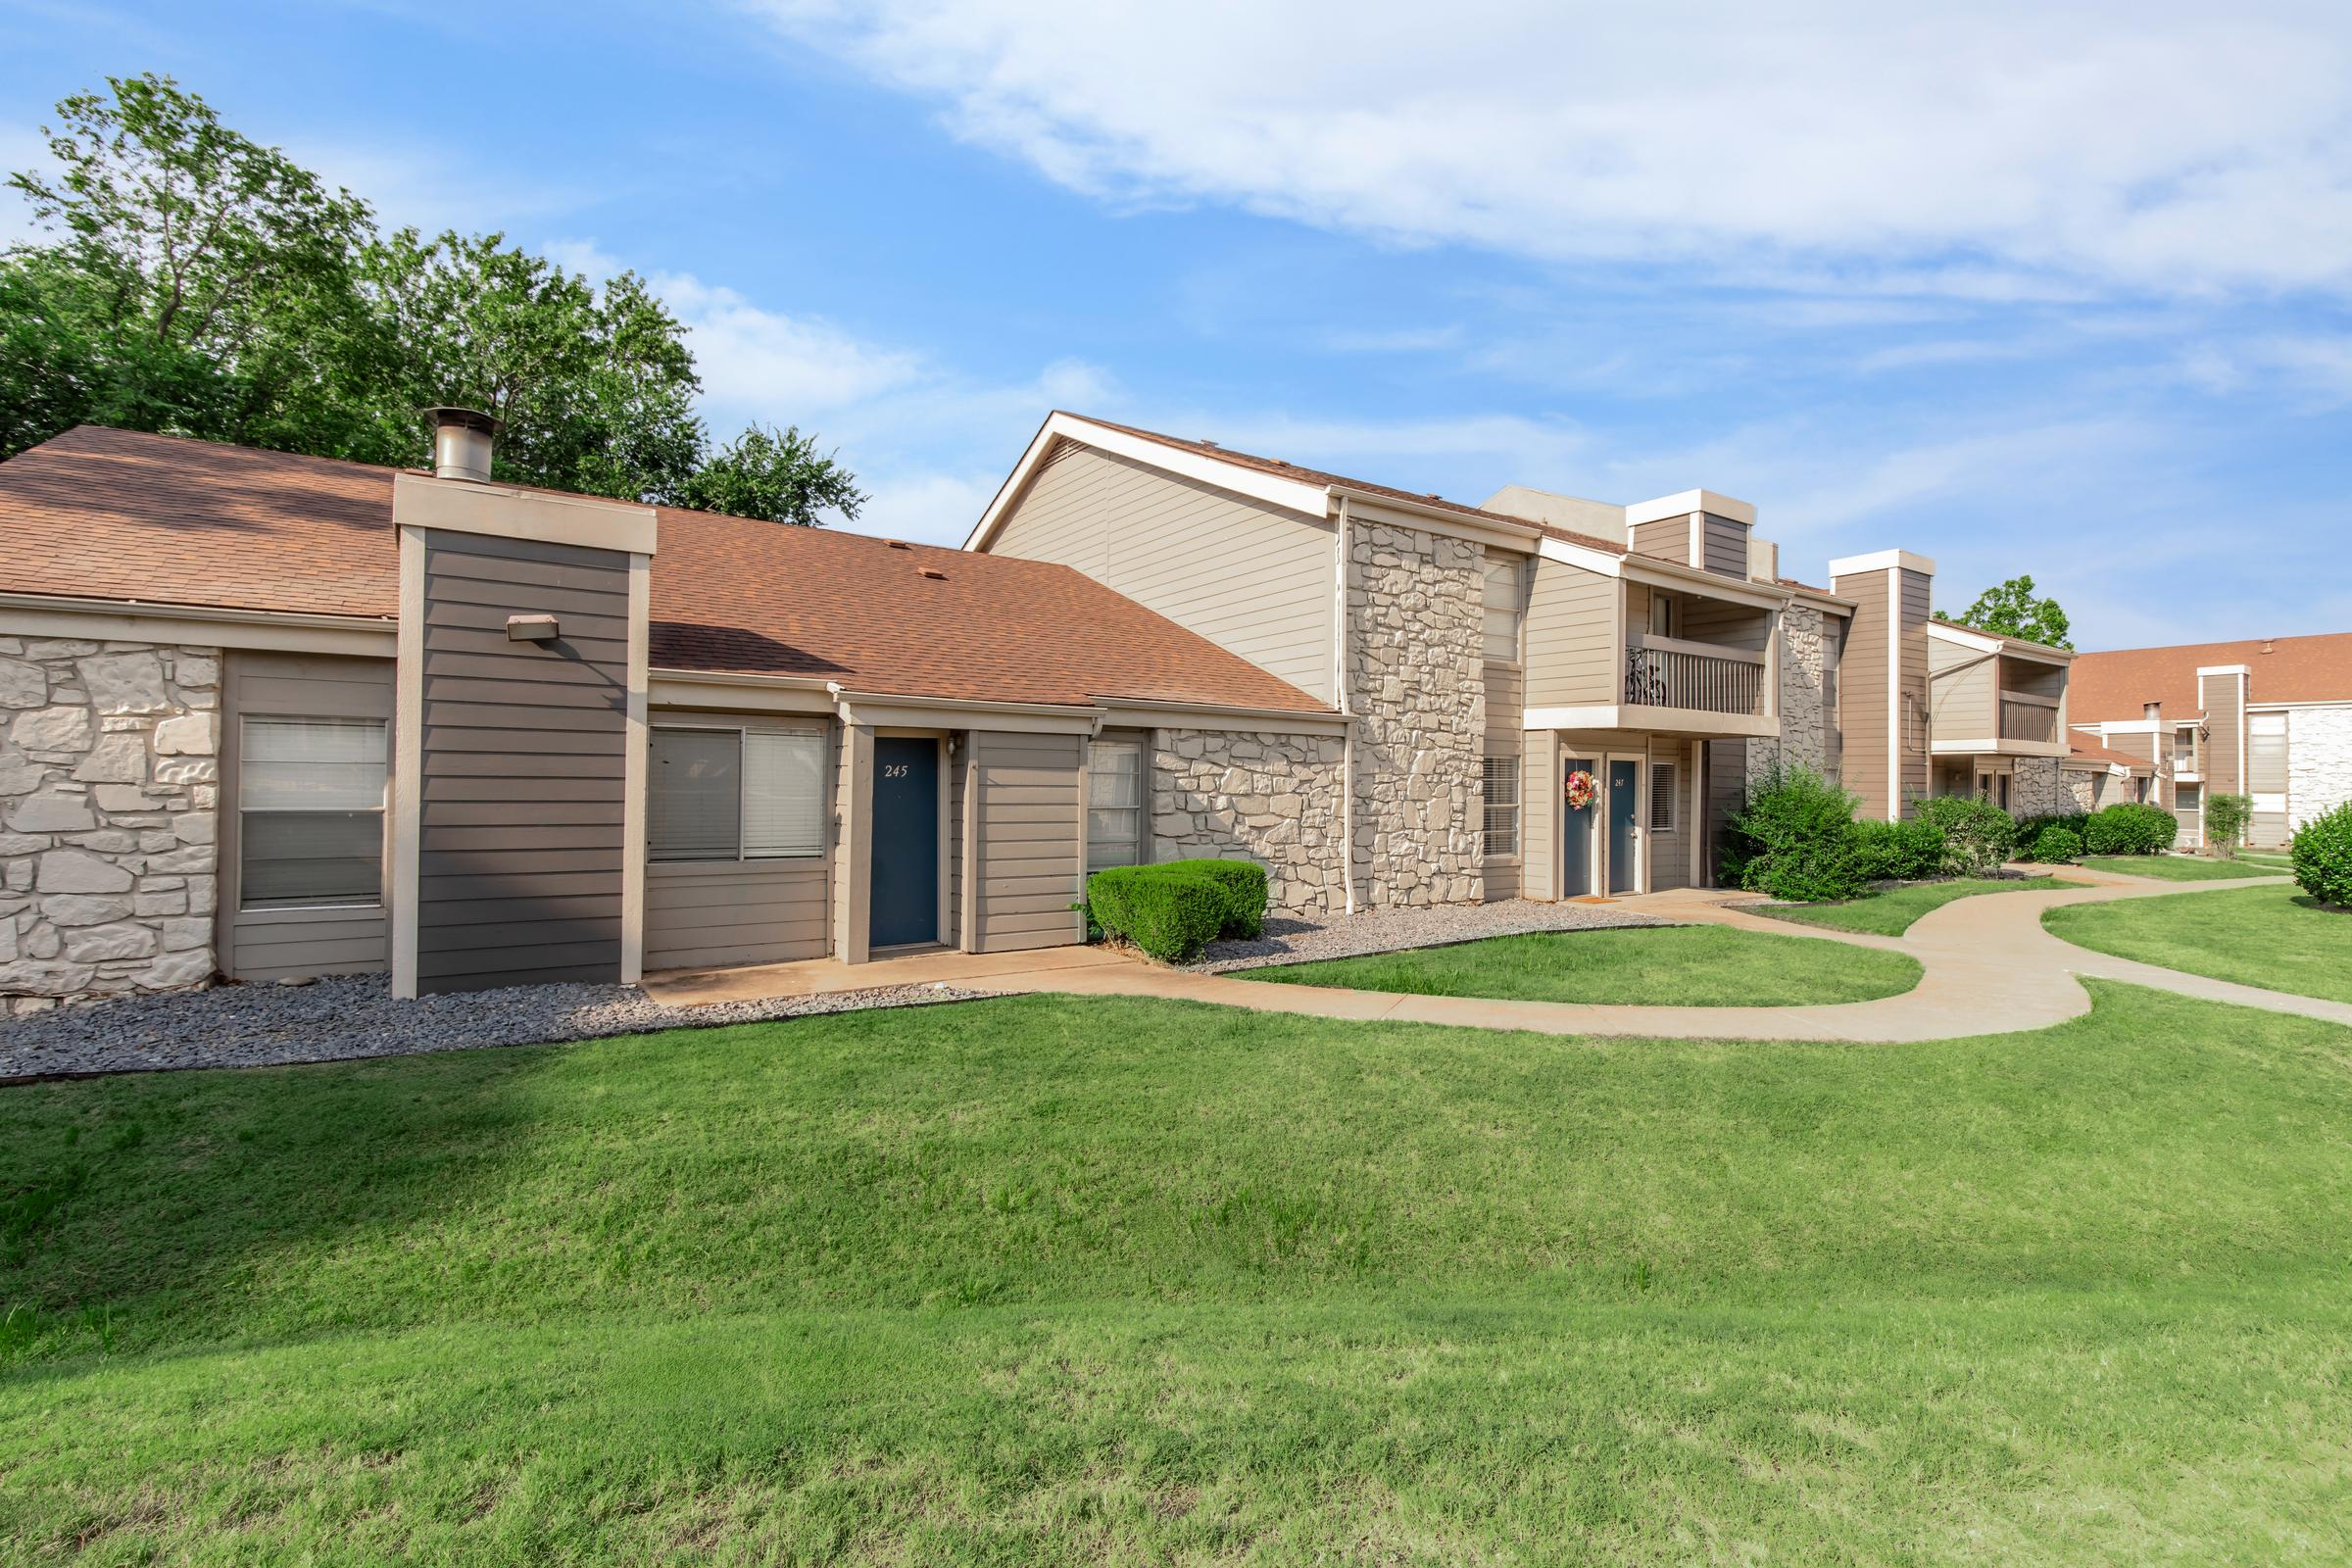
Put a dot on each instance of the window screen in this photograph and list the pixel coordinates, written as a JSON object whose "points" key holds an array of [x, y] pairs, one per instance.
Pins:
{"points": [[783, 795], [1502, 790], [694, 794], [1663, 778], [1502, 607], [1114, 804], [311, 812]]}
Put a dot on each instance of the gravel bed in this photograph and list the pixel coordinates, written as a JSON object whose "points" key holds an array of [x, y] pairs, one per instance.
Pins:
{"points": [[341, 1018], [1290, 940]]}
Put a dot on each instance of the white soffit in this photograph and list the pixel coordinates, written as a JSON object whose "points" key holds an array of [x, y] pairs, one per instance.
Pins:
{"points": [[1685, 501]]}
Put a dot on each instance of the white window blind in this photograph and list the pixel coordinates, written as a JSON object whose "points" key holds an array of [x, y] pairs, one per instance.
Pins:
{"points": [[1502, 607], [694, 801], [1664, 777], [311, 812], [783, 795], [1114, 804], [2265, 760], [1501, 791]]}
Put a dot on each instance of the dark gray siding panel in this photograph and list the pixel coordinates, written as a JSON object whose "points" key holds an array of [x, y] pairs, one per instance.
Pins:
{"points": [[519, 832], [1725, 545], [276, 944]]}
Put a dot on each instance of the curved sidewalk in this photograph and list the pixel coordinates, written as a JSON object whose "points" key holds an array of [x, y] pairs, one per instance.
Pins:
{"points": [[1989, 967]]}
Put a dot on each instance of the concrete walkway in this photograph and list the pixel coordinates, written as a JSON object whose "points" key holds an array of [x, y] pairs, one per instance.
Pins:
{"points": [[1989, 967]]}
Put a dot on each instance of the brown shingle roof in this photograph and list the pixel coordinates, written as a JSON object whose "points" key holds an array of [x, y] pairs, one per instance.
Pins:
{"points": [[115, 515], [2119, 685], [1319, 476]]}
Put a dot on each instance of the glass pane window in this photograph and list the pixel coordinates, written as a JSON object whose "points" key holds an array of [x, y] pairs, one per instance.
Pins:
{"points": [[1662, 795], [311, 811], [1502, 792], [783, 795], [1502, 607], [694, 797], [1114, 804]]}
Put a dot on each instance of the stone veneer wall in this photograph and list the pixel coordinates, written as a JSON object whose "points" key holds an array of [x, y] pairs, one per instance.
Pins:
{"points": [[1273, 799], [2319, 761], [2079, 789], [1804, 724], [2035, 788], [109, 795], [1416, 673]]}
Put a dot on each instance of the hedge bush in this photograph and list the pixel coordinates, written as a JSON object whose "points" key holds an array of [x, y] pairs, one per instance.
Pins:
{"points": [[1977, 835], [1897, 852], [2226, 818], [1171, 910], [1244, 886], [1794, 839], [2129, 828], [2056, 844], [2321, 854], [2030, 829]]}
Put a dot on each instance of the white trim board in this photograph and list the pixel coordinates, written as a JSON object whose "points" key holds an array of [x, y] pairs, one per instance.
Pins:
{"points": [[408, 763], [130, 621]]}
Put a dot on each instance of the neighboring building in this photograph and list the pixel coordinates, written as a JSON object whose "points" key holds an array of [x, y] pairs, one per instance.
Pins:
{"points": [[2268, 718], [1997, 716], [272, 715]]}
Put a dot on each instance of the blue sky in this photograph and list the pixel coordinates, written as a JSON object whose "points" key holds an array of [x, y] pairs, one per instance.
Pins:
{"points": [[2052, 288]]}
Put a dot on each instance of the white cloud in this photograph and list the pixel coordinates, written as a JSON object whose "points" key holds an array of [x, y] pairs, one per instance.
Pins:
{"points": [[2156, 143]]}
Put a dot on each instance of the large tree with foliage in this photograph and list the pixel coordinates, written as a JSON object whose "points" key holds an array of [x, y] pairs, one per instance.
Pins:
{"points": [[196, 283], [2014, 610]]}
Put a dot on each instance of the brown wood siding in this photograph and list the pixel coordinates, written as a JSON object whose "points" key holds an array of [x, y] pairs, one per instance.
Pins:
{"points": [[1030, 861], [1726, 625], [1726, 768], [1917, 590], [1571, 642], [706, 914], [526, 740], [1723, 544], [960, 751], [1862, 678], [1665, 539], [1670, 848], [1540, 807], [2223, 698], [1249, 578], [263, 945], [1506, 712]]}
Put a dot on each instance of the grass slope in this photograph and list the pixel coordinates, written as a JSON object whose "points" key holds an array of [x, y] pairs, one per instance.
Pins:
{"points": [[1892, 912], [2177, 867], [1692, 966], [1058, 1280], [2277, 937]]}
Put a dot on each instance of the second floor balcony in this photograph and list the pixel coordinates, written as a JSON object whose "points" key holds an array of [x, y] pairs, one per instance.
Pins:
{"points": [[2029, 717], [1698, 678]]}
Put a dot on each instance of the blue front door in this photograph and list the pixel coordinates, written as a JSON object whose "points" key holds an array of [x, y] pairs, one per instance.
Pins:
{"points": [[1625, 855], [1575, 879], [903, 898]]}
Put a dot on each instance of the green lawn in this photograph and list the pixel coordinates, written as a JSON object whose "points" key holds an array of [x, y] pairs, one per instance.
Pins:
{"points": [[2277, 937], [1053, 1280], [1691, 966], [1891, 914], [2178, 867]]}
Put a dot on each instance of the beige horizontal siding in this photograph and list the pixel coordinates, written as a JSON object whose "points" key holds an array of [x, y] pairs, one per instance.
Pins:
{"points": [[1029, 864], [1572, 655], [700, 915]]}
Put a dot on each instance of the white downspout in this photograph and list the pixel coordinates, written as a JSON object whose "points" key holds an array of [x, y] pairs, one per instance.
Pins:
{"points": [[1339, 687]]}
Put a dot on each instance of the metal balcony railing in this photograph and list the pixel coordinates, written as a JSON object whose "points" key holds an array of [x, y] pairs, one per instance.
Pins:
{"points": [[1666, 673]]}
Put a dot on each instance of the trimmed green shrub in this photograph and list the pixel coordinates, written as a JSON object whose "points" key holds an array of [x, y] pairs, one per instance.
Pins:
{"points": [[2322, 852], [1897, 852], [2129, 828], [1977, 835], [2028, 828], [1167, 910], [1245, 885], [1794, 839], [2056, 844], [2226, 820]]}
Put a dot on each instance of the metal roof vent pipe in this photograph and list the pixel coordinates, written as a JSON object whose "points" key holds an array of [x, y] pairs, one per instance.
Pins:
{"points": [[462, 440]]}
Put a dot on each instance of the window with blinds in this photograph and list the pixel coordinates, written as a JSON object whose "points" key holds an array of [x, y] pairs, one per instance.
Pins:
{"points": [[2265, 760], [1503, 599], [311, 812], [1114, 804], [1501, 791], [1663, 779], [735, 793]]}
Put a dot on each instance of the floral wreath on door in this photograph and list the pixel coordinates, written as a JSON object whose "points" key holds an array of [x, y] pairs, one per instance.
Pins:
{"points": [[1583, 788]]}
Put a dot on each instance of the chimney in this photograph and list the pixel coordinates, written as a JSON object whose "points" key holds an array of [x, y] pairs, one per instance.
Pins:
{"points": [[463, 439], [2265, 645]]}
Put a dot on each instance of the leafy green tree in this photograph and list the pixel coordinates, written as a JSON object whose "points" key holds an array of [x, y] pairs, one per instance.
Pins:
{"points": [[2015, 611], [595, 387], [778, 475], [195, 281]]}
